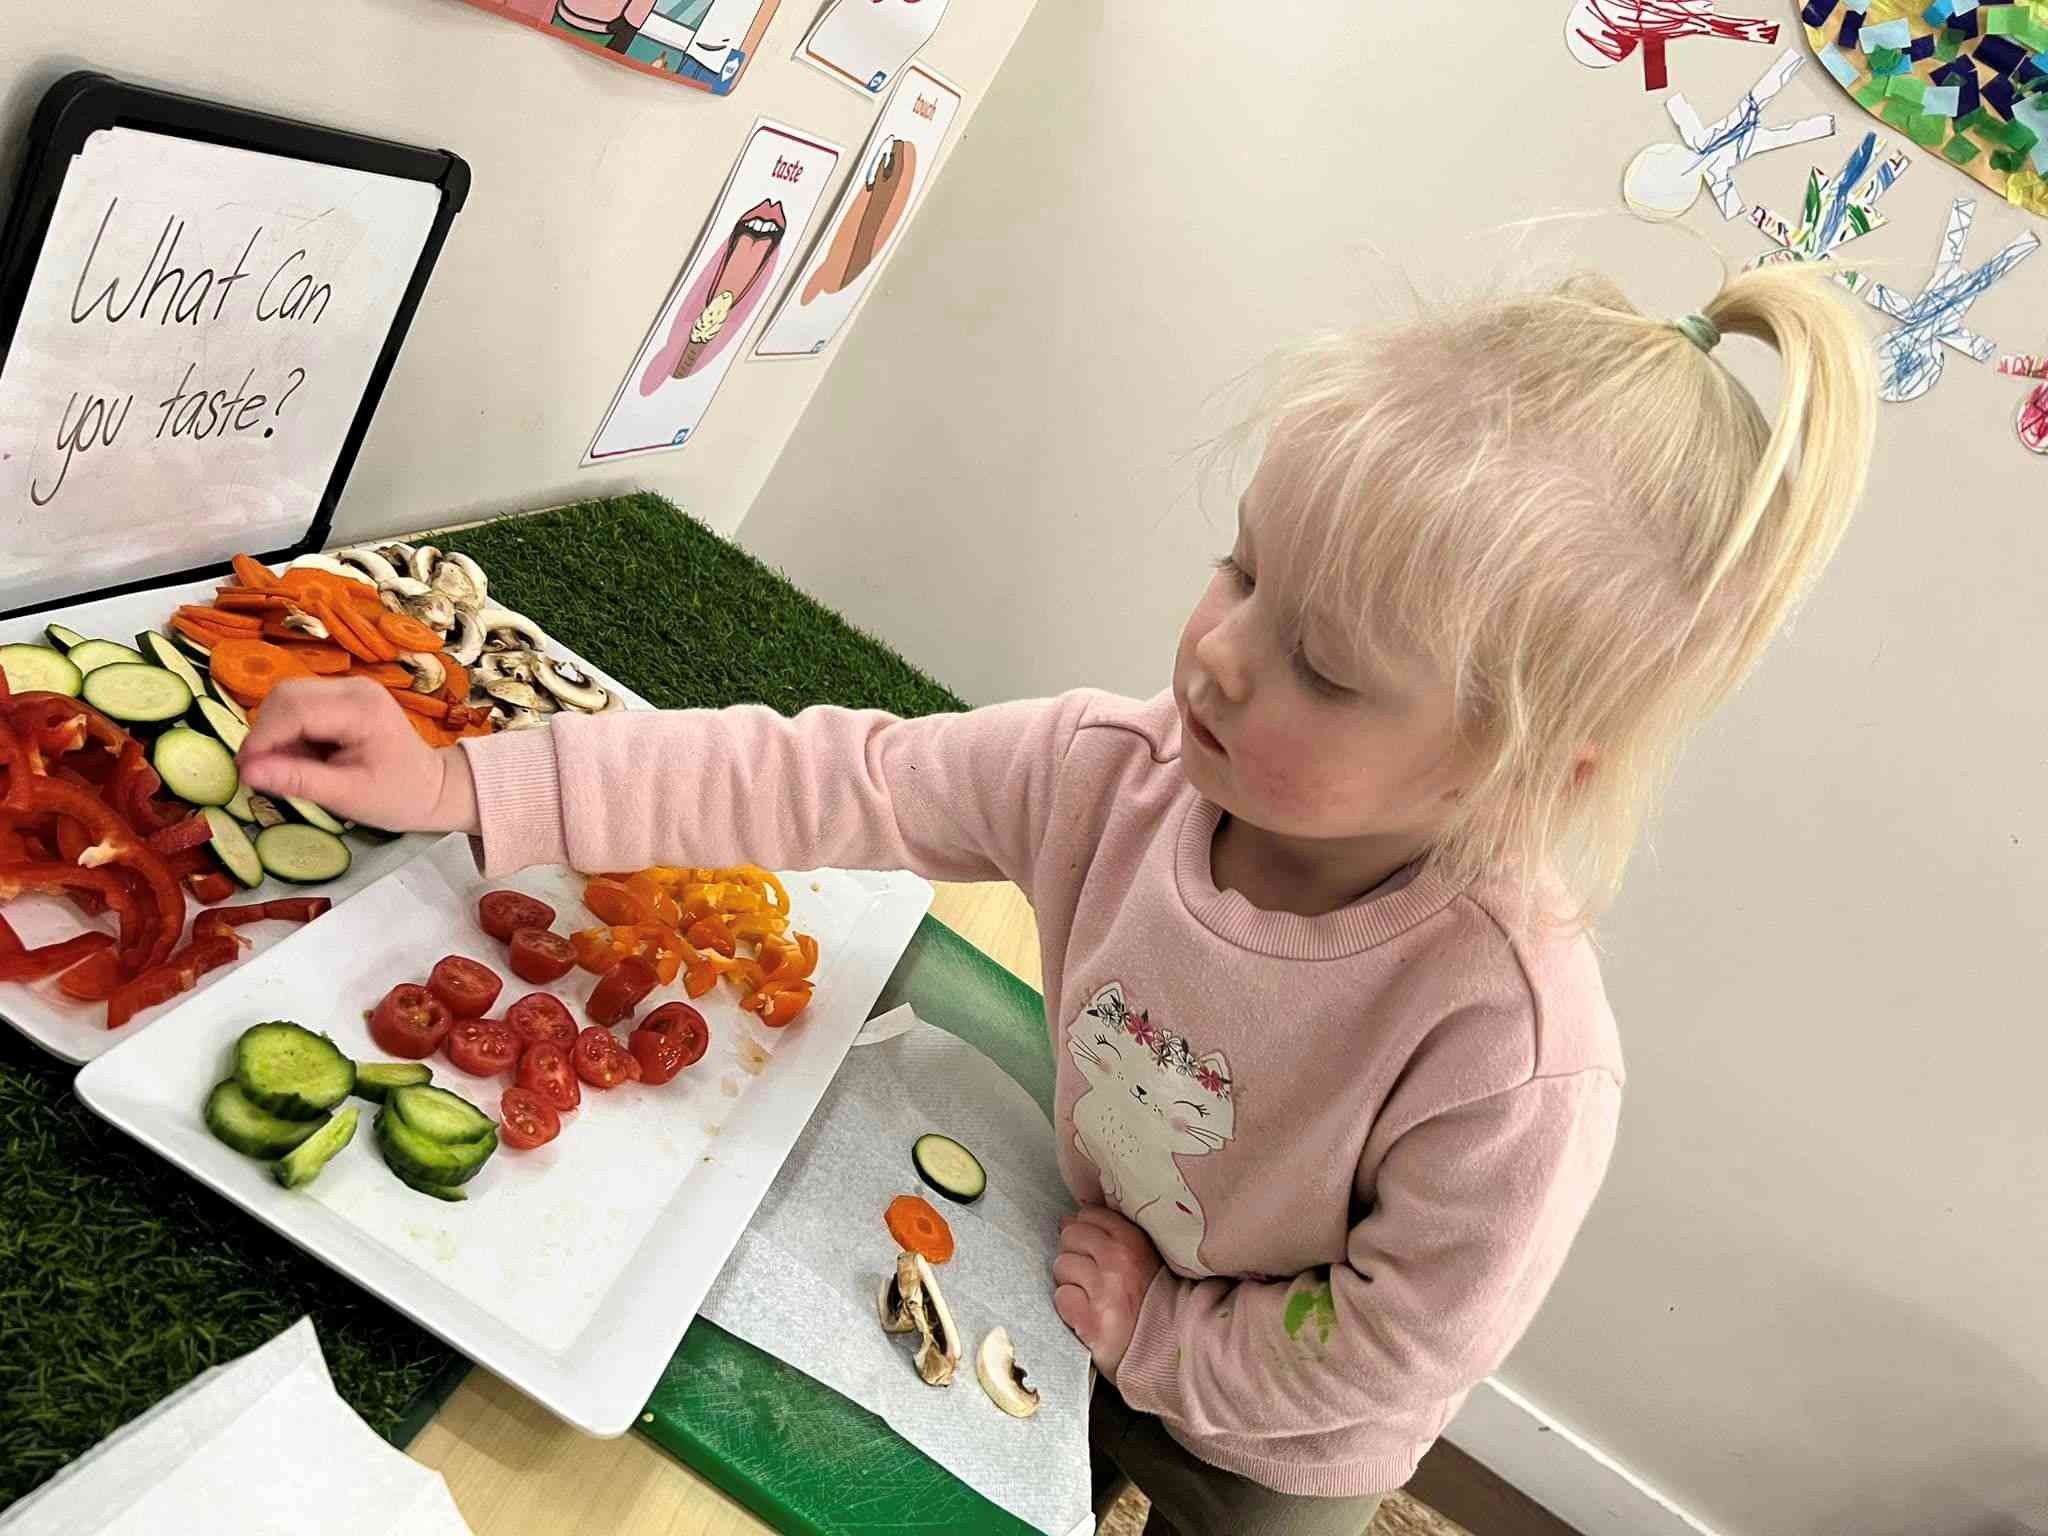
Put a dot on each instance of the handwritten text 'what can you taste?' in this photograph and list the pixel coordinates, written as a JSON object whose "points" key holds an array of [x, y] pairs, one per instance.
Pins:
{"points": [[167, 291]]}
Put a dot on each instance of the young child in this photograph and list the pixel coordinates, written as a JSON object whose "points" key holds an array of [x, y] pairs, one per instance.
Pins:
{"points": [[1337, 1078]]}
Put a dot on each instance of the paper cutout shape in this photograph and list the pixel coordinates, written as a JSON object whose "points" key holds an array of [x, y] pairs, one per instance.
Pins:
{"points": [[1602, 33], [1955, 76], [1664, 180], [701, 43], [2031, 420], [1911, 352], [1838, 209]]}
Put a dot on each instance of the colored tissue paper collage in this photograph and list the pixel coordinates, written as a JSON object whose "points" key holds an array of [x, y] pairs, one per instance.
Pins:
{"points": [[1963, 79]]}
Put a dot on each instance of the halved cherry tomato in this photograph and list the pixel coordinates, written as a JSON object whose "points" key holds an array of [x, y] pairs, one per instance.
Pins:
{"points": [[544, 1069], [527, 1119], [620, 991], [601, 1061], [671, 1038], [484, 1047], [467, 986], [541, 955], [409, 1022], [594, 951], [777, 1005], [616, 902], [503, 913], [541, 1016]]}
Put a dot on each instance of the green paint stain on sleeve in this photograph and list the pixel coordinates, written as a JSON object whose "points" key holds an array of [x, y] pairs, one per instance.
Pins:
{"points": [[1313, 1303]]}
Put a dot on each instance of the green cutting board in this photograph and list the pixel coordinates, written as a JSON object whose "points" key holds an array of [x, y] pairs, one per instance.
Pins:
{"points": [[803, 1458]]}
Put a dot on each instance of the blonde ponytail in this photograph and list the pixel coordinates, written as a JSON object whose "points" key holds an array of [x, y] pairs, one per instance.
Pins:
{"points": [[1584, 517]]}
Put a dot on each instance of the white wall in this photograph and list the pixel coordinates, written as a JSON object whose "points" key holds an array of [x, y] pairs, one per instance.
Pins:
{"points": [[1810, 1300], [590, 183]]}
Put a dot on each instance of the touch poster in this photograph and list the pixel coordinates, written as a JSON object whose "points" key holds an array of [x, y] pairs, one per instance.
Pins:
{"points": [[873, 211], [775, 187]]}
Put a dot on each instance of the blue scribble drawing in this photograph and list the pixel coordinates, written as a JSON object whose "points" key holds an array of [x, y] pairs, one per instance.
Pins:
{"points": [[1838, 209], [1664, 180], [1910, 353]]}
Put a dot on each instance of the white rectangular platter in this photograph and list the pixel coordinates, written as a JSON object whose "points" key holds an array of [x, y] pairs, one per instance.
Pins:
{"points": [[77, 1032], [572, 1270]]}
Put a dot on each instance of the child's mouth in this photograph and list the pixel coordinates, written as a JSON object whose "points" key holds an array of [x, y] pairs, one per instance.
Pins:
{"points": [[1204, 735]]}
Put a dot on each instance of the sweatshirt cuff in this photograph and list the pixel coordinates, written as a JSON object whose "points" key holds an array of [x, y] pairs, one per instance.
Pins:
{"points": [[1149, 1374], [518, 800]]}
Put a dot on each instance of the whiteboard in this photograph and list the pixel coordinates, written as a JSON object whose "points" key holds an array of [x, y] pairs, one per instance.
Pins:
{"points": [[192, 350]]}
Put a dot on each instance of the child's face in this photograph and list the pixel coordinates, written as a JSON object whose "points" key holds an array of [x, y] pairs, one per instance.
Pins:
{"points": [[1286, 727]]}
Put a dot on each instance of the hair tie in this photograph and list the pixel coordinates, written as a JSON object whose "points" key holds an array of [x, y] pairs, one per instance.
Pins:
{"points": [[1700, 331]]}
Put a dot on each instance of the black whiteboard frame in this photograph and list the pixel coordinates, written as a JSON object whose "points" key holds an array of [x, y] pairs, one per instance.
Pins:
{"points": [[86, 101]]}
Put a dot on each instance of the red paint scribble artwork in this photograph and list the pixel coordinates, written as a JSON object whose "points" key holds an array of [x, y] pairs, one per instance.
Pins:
{"points": [[1601, 33]]}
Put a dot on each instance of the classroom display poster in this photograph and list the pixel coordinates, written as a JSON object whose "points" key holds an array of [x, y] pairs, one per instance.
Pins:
{"points": [[874, 209], [701, 43], [866, 43], [192, 349], [775, 187]]}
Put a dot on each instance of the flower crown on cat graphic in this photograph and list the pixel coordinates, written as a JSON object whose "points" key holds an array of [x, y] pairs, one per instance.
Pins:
{"points": [[1168, 1049]]}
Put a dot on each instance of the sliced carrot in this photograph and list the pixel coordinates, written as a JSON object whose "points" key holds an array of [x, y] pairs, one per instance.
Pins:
{"points": [[252, 572], [201, 634], [253, 667], [389, 673], [407, 632], [456, 687], [241, 623], [319, 659], [345, 623], [421, 703], [339, 631], [306, 580], [916, 1226], [432, 732], [243, 600]]}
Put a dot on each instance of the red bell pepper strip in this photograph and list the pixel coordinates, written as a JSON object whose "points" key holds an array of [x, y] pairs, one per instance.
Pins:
{"points": [[209, 887], [189, 832], [214, 944], [113, 843], [34, 964], [10, 941], [49, 875], [93, 980]]}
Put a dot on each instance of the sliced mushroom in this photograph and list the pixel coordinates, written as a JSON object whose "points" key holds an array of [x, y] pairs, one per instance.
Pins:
{"points": [[331, 566], [421, 563], [571, 685], [518, 666], [517, 719], [431, 608], [938, 1349], [466, 643], [398, 555], [506, 630], [305, 624], [461, 580], [429, 672], [1002, 1378], [612, 703], [518, 695], [889, 1307], [371, 564]]}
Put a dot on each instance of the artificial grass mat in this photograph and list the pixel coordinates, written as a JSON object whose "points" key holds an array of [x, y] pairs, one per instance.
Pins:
{"points": [[120, 1277]]}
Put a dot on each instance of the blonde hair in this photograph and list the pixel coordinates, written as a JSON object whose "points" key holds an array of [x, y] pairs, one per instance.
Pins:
{"points": [[1586, 519]]}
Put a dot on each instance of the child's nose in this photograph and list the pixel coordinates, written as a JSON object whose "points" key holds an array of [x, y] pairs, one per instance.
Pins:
{"points": [[1222, 655]]}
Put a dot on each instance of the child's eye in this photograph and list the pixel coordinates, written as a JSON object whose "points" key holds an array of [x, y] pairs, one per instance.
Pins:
{"points": [[1315, 679], [1239, 576]]}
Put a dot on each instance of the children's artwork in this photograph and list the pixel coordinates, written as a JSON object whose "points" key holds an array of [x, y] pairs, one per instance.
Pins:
{"points": [[701, 43], [1911, 352], [1664, 180], [1602, 33], [865, 43], [774, 189], [1838, 209], [873, 211], [2031, 422], [1963, 77]]}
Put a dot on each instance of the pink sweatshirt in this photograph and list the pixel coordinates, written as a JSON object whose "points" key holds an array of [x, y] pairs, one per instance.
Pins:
{"points": [[1363, 1141]]}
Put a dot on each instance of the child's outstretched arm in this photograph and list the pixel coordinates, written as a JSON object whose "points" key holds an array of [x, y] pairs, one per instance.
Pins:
{"points": [[961, 797], [1472, 1213]]}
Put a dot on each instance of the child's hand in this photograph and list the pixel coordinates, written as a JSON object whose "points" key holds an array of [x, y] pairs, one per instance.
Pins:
{"points": [[345, 744], [1106, 1265]]}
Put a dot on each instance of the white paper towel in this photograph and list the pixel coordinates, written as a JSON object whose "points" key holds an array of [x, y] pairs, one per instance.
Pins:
{"points": [[802, 1282], [261, 1447]]}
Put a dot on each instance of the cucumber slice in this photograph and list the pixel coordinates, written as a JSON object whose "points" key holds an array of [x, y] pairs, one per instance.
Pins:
{"points": [[39, 669], [242, 1125], [195, 768], [291, 1071], [438, 1191], [421, 1160], [440, 1115], [156, 649], [226, 700], [213, 717], [303, 855], [242, 807], [313, 816], [375, 1080], [62, 636], [232, 847], [303, 1163], [136, 693], [949, 1168], [192, 648], [88, 655]]}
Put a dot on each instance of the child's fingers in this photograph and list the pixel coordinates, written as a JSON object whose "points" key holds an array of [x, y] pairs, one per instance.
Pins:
{"points": [[1075, 1310], [1103, 1220], [303, 778], [1076, 1269], [305, 709], [1084, 1238]]}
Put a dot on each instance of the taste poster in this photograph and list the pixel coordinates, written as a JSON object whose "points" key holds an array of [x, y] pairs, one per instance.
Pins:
{"points": [[880, 196], [759, 223]]}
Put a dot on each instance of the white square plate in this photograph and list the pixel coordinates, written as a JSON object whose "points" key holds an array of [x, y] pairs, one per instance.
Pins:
{"points": [[77, 1031], [571, 1270]]}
